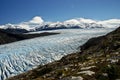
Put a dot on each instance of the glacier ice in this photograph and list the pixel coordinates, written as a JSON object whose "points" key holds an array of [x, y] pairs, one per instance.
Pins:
{"points": [[25, 55]]}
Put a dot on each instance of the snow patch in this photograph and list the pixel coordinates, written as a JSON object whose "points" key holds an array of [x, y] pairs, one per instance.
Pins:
{"points": [[86, 68], [86, 72], [77, 78]]}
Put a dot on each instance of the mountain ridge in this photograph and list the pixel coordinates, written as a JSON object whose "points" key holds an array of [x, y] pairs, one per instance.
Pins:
{"points": [[40, 24], [9, 35]]}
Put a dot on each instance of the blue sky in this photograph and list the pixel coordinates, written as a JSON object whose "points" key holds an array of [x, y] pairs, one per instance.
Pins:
{"points": [[16, 11]]}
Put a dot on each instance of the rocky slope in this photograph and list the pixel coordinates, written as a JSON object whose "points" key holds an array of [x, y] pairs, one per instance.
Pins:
{"points": [[7, 37], [99, 59]]}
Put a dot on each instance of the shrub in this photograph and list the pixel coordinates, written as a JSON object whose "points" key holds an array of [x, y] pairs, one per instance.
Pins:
{"points": [[44, 71]]}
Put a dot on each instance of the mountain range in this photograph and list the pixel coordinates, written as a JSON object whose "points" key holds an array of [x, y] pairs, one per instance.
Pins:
{"points": [[38, 24]]}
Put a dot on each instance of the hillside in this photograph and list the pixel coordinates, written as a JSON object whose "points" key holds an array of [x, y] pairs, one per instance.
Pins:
{"points": [[7, 37], [99, 59]]}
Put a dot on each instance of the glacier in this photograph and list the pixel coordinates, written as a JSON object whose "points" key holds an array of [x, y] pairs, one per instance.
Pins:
{"points": [[21, 56]]}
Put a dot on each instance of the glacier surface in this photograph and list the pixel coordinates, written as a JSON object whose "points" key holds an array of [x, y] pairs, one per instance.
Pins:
{"points": [[25, 55]]}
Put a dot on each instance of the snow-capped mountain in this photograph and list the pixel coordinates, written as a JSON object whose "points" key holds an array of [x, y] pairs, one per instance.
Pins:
{"points": [[37, 23], [73, 23]]}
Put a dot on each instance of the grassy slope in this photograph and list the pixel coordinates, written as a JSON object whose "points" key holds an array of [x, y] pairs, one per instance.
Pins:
{"points": [[100, 57]]}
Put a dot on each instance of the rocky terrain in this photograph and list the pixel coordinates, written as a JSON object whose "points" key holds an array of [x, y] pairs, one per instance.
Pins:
{"points": [[99, 59], [7, 37]]}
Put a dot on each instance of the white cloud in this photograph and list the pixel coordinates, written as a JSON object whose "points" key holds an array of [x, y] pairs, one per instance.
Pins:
{"points": [[37, 20], [79, 21], [72, 21], [110, 22], [86, 20]]}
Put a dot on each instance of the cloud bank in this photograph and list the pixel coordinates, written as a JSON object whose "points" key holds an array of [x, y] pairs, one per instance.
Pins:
{"points": [[110, 22]]}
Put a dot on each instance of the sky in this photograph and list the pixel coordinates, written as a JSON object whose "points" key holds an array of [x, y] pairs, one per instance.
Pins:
{"points": [[16, 11]]}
